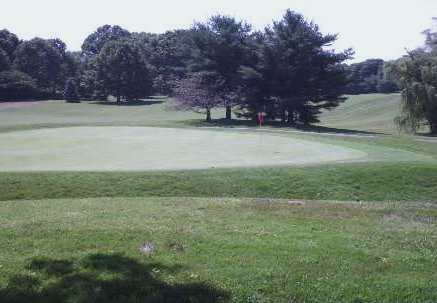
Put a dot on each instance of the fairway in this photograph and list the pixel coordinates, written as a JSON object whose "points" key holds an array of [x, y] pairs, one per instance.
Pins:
{"points": [[217, 250], [145, 148], [83, 186]]}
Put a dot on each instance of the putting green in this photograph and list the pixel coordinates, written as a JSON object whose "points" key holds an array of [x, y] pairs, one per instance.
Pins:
{"points": [[144, 148]]}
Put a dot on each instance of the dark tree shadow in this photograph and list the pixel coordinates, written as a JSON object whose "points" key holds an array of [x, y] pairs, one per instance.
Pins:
{"points": [[279, 125], [146, 102], [103, 278]]}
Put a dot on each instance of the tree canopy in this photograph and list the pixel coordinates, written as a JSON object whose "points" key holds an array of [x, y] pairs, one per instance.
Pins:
{"points": [[417, 76], [289, 71], [94, 43], [123, 72]]}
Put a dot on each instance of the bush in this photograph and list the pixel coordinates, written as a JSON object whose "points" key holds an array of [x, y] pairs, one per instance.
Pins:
{"points": [[15, 85]]}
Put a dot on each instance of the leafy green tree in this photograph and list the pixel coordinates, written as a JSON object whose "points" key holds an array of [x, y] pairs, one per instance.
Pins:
{"points": [[94, 43], [170, 54], [122, 70], [41, 60], [417, 77], [9, 43], [16, 86], [369, 77], [221, 48]]}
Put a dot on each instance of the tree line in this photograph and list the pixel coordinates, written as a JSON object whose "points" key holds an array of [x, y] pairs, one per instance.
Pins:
{"points": [[370, 76], [288, 71]]}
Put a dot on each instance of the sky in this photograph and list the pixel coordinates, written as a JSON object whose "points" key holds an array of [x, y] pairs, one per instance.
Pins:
{"points": [[373, 28]]}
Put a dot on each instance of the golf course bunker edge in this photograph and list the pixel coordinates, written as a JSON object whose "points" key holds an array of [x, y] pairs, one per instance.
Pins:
{"points": [[149, 148]]}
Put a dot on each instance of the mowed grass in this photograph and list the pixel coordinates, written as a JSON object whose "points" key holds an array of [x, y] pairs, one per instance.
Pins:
{"points": [[217, 250], [224, 235], [372, 112], [152, 112]]}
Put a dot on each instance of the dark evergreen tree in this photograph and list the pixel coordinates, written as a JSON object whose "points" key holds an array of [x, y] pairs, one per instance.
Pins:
{"points": [[302, 76], [221, 45]]}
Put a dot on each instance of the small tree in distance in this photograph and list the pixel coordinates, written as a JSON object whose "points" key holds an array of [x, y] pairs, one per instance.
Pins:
{"points": [[200, 92], [70, 91]]}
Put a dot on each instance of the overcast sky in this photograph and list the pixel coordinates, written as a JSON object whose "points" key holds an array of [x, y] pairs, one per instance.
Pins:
{"points": [[374, 28]]}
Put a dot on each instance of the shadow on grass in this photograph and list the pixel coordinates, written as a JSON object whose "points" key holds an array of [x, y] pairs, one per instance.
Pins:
{"points": [[103, 278], [146, 102], [279, 125]]}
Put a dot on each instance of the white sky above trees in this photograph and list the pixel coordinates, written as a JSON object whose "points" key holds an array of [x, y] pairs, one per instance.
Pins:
{"points": [[374, 28]]}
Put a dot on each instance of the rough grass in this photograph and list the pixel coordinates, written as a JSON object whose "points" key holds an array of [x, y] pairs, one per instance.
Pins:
{"points": [[364, 182], [216, 250]]}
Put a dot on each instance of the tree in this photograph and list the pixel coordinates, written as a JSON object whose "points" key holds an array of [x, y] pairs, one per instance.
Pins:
{"points": [[170, 55], [122, 70], [41, 60], [9, 43], [70, 91], [369, 77], [4, 60], [221, 46], [417, 76], [95, 42], [200, 92], [15, 85], [300, 72]]}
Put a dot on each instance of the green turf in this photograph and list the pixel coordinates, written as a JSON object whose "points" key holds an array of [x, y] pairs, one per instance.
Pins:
{"points": [[373, 112], [145, 148], [365, 182], [217, 250], [219, 233]]}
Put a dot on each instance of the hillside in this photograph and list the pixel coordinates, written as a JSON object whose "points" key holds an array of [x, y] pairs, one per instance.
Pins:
{"points": [[372, 112]]}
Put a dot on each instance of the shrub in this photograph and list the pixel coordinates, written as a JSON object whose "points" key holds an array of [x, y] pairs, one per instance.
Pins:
{"points": [[15, 85]]}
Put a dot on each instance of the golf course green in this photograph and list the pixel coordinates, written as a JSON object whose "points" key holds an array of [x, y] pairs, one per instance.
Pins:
{"points": [[344, 211]]}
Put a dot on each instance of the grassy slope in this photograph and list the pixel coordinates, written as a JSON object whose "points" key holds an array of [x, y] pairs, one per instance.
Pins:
{"points": [[216, 251], [365, 182], [373, 112], [154, 112], [390, 179]]}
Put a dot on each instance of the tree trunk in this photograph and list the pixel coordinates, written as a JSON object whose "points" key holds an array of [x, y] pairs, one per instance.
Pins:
{"points": [[208, 115], [433, 127], [283, 116], [118, 98], [228, 112]]}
